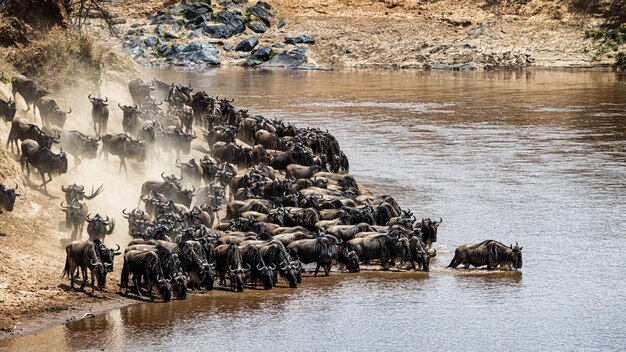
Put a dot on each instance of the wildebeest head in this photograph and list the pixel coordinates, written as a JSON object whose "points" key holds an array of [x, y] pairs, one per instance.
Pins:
{"points": [[237, 274], [350, 259], [165, 288], [291, 271], [7, 197], [59, 163], [98, 102], [429, 230], [59, 116], [266, 276], [99, 226], [516, 256], [8, 109], [72, 211]]}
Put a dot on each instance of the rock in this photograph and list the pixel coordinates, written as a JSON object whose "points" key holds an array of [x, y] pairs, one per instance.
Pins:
{"points": [[262, 54], [228, 48], [201, 20], [158, 31], [470, 66], [196, 34], [288, 59], [469, 46], [278, 45], [349, 51], [304, 39], [219, 31], [150, 42], [163, 19], [135, 25], [175, 28], [232, 24], [164, 50], [194, 53], [257, 27], [262, 11], [281, 23], [170, 35], [247, 44]]}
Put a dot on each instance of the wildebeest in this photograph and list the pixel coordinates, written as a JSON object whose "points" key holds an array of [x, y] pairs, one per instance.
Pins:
{"points": [[228, 259], [99, 114], [320, 250], [299, 172], [8, 109], [21, 130], [177, 141], [79, 145], [146, 265], [190, 171], [491, 253], [50, 112], [77, 192], [429, 231], [251, 255], [419, 254], [275, 255], [381, 247], [139, 91], [83, 255], [171, 189], [136, 219], [124, 147], [131, 123], [75, 213], [7, 197], [99, 227], [28, 90], [232, 153], [43, 160], [107, 257]]}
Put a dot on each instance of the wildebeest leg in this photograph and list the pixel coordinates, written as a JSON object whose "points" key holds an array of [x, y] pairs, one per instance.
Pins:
{"points": [[123, 163], [71, 273], [80, 230], [136, 282], [467, 265], [317, 268], [84, 270], [93, 287], [43, 179], [327, 269]]}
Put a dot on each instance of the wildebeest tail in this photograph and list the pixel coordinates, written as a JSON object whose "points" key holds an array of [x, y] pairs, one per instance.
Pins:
{"points": [[66, 270]]}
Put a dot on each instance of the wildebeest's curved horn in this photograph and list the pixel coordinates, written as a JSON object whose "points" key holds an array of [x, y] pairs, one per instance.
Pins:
{"points": [[126, 215], [89, 218], [194, 189], [57, 137], [62, 206], [82, 189], [217, 97], [249, 267], [232, 100], [118, 104], [135, 107], [162, 176], [159, 104], [273, 267], [63, 189], [258, 266], [440, 220], [107, 220], [89, 96], [516, 245], [106, 99], [118, 247], [433, 253], [98, 138], [70, 111]]}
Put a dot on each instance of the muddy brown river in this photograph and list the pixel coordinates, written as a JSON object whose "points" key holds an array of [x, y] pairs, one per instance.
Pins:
{"points": [[533, 157]]}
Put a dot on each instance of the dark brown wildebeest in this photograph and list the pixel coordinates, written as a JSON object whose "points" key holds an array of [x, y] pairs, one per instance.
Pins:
{"points": [[99, 114], [429, 231], [124, 147], [146, 265], [75, 143], [21, 130], [275, 255], [228, 259], [320, 250], [28, 90], [83, 255], [179, 95], [99, 227], [50, 112], [380, 246], [251, 256], [43, 160], [75, 213], [301, 172], [75, 191], [7, 197], [139, 91], [420, 254], [8, 109], [131, 123], [491, 253], [190, 171]]}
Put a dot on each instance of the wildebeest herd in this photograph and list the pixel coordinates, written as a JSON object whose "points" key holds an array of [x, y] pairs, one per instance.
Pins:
{"points": [[265, 198]]}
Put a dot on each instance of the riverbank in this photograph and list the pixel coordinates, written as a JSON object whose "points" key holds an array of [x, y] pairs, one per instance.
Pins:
{"points": [[399, 34]]}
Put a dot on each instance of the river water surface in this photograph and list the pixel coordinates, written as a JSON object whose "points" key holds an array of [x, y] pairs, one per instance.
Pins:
{"points": [[533, 157]]}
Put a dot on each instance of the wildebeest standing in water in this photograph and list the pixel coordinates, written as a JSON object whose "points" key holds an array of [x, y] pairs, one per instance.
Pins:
{"points": [[99, 114], [83, 255], [7, 197], [43, 159], [491, 253], [146, 265]]}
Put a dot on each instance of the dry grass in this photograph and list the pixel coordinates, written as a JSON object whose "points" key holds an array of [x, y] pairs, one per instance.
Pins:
{"points": [[60, 58]]}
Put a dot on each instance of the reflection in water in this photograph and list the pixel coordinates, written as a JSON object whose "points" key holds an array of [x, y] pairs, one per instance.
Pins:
{"points": [[533, 157]]}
